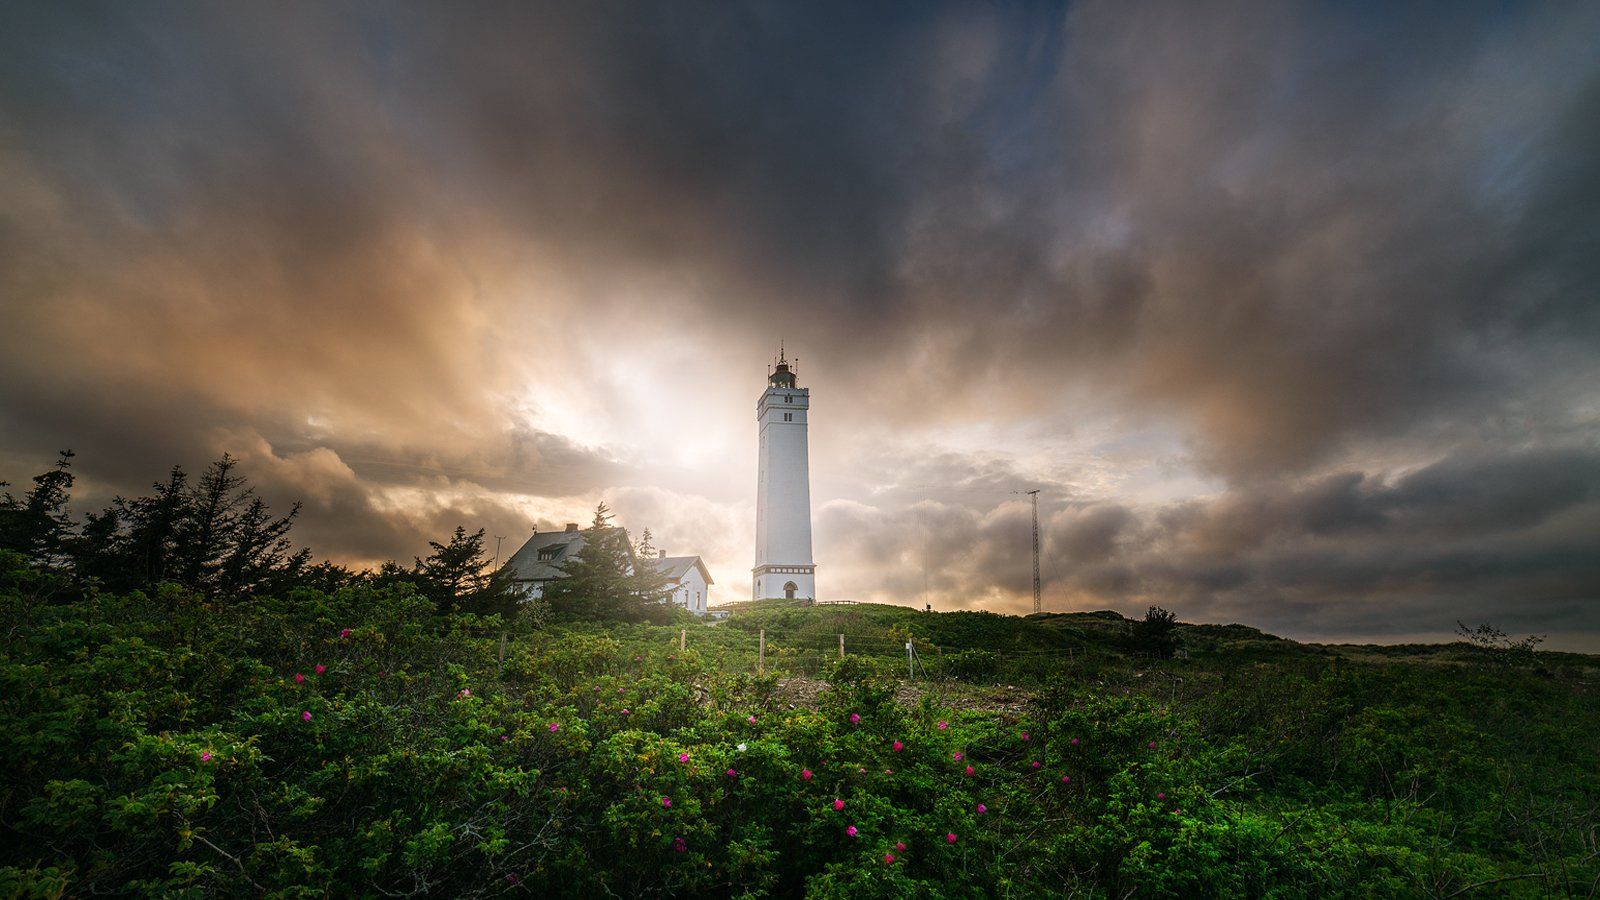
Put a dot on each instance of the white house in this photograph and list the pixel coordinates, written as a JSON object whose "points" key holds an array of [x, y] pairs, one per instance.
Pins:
{"points": [[538, 561], [690, 580]]}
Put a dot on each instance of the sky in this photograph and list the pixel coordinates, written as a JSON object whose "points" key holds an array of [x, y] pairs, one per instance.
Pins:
{"points": [[1288, 310]]}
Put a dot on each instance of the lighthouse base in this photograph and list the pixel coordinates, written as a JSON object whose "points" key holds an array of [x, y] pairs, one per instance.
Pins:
{"points": [[780, 582]]}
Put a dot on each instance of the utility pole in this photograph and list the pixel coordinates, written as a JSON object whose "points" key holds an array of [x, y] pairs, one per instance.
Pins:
{"points": [[497, 539], [1034, 496]]}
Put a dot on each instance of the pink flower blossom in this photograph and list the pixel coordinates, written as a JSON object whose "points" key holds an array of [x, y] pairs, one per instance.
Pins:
{"points": [[888, 858], [345, 633], [1036, 765], [1161, 796], [305, 715], [898, 746], [299, 678], [943, 725], [838, 805], [683, 757], [554, 727], [888, 771], [1024, 735], [982, 809], [732, 774], [626, 711], [465, 693], [666, 802], [970, 771], [956, 756], [855, 718], [1152, 745], [504, 739], [950, 838], [205, 756], [751, 720], [321, 668], [679, 845], [1066, 779], [900, 845], [1074, 742], [805, 774], [512, 879], [851, 830]]}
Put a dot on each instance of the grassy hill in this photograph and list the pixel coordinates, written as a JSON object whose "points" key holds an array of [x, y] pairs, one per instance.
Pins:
{"points": [[358, 742]]}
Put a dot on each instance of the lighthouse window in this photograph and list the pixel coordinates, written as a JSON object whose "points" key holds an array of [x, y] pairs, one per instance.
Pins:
{"points": [[788, 398]]}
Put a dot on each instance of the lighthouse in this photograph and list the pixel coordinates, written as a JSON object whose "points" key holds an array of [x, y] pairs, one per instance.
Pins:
{"points": [[783, 491]]}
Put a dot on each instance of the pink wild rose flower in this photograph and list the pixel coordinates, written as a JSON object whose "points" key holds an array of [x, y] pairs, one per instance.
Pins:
{"points": [[345, 633], [805, 774], [205, 756], [851, 830], [321, 668], [855, 718], [982, 809], [888, 858], [666, 802], [898, 746], [299, 678], [838, 805], [950, 838], [305, 715]]}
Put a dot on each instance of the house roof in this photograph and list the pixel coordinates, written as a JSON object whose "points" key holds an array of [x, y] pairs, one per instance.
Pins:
{"points": [[526, 564], [675, 567]]}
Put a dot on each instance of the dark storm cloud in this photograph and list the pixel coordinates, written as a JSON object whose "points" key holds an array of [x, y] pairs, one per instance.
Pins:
{"points": [[1511, 539], [1331, 245]]}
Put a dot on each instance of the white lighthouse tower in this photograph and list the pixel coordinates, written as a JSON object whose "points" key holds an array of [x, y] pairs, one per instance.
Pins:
{"points": [[783, 492]]}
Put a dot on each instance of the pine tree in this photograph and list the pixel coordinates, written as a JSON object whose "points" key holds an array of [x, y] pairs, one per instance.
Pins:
{"points": [[458, 578], [38, 525], [605, 581]]}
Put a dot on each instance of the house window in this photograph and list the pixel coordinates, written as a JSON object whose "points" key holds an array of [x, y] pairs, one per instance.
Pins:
{"points": [[788, 398]]}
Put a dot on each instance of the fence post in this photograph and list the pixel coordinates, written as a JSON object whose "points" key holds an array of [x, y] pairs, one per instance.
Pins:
{"points": [[761, 654], [683, 639], [909, 672], [841, 646], [502, 648]]}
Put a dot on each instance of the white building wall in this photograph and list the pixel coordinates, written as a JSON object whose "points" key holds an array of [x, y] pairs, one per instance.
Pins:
{"points": [[691, 592], [783, 495]]}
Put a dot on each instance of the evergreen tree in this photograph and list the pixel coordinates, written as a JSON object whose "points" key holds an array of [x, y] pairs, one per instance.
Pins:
{"points": [[37, 525], [605, 581], [1156, 633], [458, 578]]}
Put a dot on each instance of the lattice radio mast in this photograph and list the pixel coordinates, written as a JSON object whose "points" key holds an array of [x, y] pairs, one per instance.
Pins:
{"points": [[1034, 496]]}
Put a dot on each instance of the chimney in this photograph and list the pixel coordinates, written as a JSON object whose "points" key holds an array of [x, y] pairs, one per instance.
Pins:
{"points": [[661, 554], [572, 526]]}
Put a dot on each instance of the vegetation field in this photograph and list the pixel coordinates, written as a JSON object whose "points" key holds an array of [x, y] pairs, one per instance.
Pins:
{"points": [[265, 726]]}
